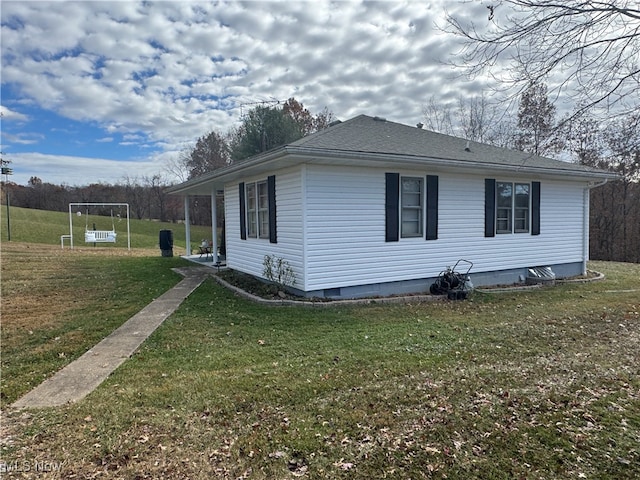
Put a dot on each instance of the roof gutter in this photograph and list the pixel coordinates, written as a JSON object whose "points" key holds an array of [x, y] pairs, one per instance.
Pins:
{"points": [[598, 184], [440, 162], [376, 158], [230, 169]]}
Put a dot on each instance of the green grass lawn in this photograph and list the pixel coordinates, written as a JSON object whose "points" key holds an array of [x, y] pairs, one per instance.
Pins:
{"points": [[542, 384], [45, 227]]}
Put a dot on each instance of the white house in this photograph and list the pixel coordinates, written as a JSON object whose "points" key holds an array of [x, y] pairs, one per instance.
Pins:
{"points": [[372, 207]]}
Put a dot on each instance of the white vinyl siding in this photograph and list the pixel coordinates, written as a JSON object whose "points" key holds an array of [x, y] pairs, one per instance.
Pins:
{"points": [[248, 255], [346, 229], [331, 228]]}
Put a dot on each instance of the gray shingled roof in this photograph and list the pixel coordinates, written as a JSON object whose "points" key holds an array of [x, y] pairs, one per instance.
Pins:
{"points": [[371, 139], [366, 134]]}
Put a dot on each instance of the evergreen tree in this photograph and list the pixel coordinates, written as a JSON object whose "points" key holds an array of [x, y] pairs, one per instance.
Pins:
{"points": [[263, 129]]}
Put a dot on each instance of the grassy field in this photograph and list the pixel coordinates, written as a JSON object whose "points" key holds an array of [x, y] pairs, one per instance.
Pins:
{"points": [[541, 384], [44, 227]]}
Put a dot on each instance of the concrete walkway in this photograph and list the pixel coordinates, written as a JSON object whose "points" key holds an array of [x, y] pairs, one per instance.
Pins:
{"points": [[82, 376]]}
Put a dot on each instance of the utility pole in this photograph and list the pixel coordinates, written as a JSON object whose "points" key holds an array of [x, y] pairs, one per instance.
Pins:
{"points": [[6, 171]]}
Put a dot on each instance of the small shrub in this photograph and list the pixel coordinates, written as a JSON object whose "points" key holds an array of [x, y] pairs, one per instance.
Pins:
{"points": [[278, 271]]}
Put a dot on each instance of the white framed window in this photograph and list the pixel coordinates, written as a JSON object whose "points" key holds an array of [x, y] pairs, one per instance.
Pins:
{"points": [[512, 207], [252, 219], [411, 207], [521, 207], [258, 216], [263, 209], [257, 201]]}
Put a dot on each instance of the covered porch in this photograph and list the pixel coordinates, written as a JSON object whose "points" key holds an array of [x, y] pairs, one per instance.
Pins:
{"points": [[210, 250]]}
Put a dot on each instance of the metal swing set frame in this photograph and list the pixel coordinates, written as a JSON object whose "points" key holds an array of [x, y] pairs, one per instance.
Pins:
{"points": [[96, 236]]}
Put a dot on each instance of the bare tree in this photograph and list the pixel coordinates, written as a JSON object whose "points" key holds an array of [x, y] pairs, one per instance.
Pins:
{"points": [[177, 167], [437, 116], [623, 140], [583, 139], [536, 121], [136, 196], [478, 118], [615, 206], [592, 48], [475, 118], [156, 196]]}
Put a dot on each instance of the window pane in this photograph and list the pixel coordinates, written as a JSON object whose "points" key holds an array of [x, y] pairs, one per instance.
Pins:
{"points": [[263, 199], [522, 195], [413, 185], [521, 220], [251, 195], [411, 199], [504, 208], [411, 229], [252, 226], [521, 213], [263, 210], [503, 220], [411, 206], [503, 191], [411, 215], [264, 224]]}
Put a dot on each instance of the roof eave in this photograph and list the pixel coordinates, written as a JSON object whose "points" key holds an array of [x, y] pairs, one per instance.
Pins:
{"points": [[218, 175], [206, 183], [444, 163]]}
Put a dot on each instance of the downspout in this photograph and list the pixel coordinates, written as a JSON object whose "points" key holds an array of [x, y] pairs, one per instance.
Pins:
{"points": [[214, 226], [187, 225], [585, 223], [305, 264]]}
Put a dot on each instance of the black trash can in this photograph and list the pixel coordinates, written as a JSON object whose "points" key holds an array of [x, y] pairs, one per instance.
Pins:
{"points": [[166, 243]]}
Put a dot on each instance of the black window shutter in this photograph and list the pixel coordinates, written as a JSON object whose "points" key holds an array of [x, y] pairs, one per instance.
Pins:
{"points": [[243, 212], [489, 207], [432, 207], [535, 208], [391, 205], [271, 193]]}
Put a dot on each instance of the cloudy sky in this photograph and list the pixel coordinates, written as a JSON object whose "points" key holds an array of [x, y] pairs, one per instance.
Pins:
{"points": [[100, 91]]}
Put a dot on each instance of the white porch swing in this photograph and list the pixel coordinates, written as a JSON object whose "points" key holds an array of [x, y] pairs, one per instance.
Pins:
{"points": [[99, 236], [96, 236]]}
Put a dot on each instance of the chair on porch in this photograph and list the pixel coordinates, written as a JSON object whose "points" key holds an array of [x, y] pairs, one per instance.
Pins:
{"points": [[205, 249]]}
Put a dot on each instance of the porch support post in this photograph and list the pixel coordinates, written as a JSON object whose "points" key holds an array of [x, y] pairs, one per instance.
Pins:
{"points": [[187, 224], [214, 226]]}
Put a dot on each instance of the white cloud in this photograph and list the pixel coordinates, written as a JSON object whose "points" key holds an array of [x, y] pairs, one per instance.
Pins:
{"points": [[11, 115], [169, 72], [68, 170]]}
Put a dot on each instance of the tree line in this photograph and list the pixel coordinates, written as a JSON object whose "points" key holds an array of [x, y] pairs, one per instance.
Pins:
{"points": [[145, 195], [612, 145], [591, 51]]}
